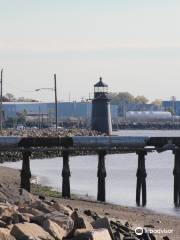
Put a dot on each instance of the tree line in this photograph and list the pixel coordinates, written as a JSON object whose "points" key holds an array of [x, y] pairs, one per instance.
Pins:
{"points": [[9, 97], [126, 97], [116, 98]]}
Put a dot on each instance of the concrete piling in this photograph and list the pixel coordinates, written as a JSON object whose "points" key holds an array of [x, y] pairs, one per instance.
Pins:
{"points": [[26, 172], [176, 173], [141, 179], [66, 175], [101, 174]]}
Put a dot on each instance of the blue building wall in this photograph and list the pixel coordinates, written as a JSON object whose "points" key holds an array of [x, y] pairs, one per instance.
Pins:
{"points": [[172, 105], [71, 109], [13, 109], [65, 109], [82, 109]]}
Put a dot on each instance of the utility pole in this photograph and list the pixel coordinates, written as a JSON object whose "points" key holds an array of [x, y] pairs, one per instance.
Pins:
{"points": [[69, 96], [55, 93], [55, 96], [1, 100]]}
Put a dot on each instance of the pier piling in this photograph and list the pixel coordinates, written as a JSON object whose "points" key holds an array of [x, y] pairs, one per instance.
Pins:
{"points": [[66, 175], [141, 179], [26, 172], [176, 174], [101, 174]]}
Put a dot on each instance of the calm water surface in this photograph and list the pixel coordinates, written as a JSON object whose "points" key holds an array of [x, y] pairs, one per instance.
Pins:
{"points": [[121, 175]]}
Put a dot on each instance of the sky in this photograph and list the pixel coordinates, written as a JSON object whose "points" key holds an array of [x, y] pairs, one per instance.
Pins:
{"points": [[134, 45]]}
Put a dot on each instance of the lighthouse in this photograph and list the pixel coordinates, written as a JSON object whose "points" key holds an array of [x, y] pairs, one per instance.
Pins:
{"points": [[101, 114]]}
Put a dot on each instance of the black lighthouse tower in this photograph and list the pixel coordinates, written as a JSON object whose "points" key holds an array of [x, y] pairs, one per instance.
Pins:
{"points": [[101, 114]]}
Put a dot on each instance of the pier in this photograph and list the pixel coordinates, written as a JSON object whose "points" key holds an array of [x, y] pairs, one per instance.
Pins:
{"points": [[101, 146]]}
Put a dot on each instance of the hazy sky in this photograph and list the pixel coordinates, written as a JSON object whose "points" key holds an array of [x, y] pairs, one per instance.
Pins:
{"points": [[133, 44]]}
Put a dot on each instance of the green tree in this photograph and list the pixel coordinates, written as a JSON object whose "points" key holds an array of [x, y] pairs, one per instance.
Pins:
{"points": [[125, 97], [141, 99], [22, 117], [10, 97], [171, 110], [23, 99], [157, 102]]}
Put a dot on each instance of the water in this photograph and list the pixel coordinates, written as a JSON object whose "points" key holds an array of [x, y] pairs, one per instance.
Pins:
{"points": [[121, 175]]}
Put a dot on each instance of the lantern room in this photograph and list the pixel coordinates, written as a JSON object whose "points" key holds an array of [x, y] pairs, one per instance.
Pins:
{"points": [[100, 89]]}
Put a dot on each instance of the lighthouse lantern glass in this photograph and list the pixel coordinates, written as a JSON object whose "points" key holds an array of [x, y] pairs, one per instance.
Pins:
{"points": [[101, 89]]}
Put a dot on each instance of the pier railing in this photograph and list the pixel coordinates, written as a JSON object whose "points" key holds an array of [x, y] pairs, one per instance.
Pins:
{"points": [[101, 145]]}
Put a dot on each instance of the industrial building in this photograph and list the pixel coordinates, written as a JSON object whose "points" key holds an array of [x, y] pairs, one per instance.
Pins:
{"points": [[173, 106], [65, 109], [82, 110]]}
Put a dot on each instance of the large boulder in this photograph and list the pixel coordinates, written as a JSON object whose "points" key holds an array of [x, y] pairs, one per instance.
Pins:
{"points": [[54, 229], [103, 223], [5, 234], [61, 208], [2, 224], [26, 217], [64, 221], [101, 234], [26, 197], [7, 209], [16, 217], [42, 206], [30, 210], [98, 234], [25, 231], [80, 221]]}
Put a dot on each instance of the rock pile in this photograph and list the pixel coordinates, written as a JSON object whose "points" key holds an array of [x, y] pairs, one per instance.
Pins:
{"points": [[50, 220], [48, 132]]}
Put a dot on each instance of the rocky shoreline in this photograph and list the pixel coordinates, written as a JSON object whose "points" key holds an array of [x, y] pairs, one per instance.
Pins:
{"points": [[44, 217], [48, 132]]}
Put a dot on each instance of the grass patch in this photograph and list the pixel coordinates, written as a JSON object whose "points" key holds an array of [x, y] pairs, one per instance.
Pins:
{"points": [[47, 191]]}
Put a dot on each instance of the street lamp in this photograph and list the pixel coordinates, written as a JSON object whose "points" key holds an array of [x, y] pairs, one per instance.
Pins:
{"points": [[55, 98]]}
